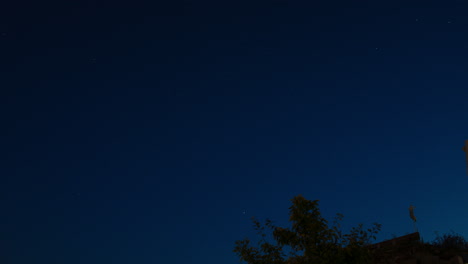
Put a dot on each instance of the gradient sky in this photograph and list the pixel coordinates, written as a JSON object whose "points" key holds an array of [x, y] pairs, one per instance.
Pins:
{"points": [[149, 133]]}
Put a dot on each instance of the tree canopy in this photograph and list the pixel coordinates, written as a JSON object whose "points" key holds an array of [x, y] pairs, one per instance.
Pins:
{"points": [[310, 239]]}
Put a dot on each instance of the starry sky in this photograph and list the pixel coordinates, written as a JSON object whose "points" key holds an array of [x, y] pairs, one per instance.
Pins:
{"points": [[144, 132]]}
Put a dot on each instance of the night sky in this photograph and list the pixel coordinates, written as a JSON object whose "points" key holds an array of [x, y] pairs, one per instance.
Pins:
{"points": [[143, 132]]}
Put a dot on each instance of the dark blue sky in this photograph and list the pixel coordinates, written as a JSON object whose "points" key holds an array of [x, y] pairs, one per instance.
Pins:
{"points": [[151, 133]]}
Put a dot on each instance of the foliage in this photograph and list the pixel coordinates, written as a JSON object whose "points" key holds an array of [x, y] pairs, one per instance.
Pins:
{"points": [[450, 243], [308, 240]]}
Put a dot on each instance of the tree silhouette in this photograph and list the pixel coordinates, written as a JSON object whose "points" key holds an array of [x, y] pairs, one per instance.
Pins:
{"points": [[308, 240]]}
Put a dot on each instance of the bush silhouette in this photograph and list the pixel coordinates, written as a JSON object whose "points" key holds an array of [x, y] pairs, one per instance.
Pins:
{"points": [[450, 243]]}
